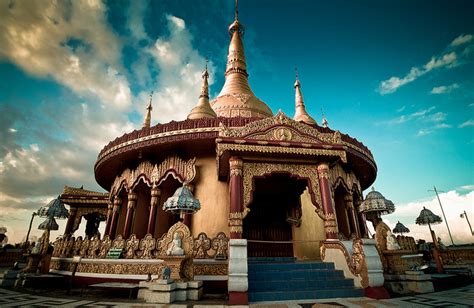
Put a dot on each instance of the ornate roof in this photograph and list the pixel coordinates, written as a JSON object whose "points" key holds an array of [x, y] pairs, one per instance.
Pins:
{"points": [[236, 98], [76, 196]]}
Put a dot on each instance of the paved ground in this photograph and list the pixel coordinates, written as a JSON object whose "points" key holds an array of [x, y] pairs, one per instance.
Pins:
{"points": [[461, 297]]}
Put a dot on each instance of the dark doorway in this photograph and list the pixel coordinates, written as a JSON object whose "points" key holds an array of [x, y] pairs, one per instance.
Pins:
{"points": [[276, 202]]}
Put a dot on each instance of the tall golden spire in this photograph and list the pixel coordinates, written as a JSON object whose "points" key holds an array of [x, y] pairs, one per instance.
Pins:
{"points": [[147, 121], [236, 98], [203, 109], [300, 111]]}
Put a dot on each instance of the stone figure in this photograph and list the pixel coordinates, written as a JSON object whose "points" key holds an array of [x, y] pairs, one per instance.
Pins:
{"points": [[392, 241], [165, 273], [37, 248], [441, 244], [175, 248]]}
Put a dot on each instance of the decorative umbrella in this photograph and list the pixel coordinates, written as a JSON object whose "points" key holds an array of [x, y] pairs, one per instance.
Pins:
{"points": [[182, 202], [400, 228], [55, 208], [375, 205], [427, 217]]}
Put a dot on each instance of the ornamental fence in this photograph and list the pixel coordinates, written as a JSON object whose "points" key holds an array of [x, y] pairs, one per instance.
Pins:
{"points": [[148, 247]]}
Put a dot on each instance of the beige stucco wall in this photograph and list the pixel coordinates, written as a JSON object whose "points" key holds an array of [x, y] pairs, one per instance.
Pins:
{"points": [[212, 218], [311, 229]]}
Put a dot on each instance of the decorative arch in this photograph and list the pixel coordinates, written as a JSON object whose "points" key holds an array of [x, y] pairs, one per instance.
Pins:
{"points": [[338, 175], [260, 170], [155, 174], [340, 182]]}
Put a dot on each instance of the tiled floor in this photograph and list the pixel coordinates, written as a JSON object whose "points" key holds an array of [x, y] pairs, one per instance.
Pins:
{"points": [[461, 297]]}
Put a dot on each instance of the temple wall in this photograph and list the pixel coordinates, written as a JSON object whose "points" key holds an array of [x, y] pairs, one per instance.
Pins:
{"points": [[212, 218], [311, 229]]}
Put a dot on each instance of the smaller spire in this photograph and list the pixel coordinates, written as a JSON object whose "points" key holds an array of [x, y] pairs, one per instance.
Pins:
{"points": [[300, 111], [147, 121], [324, 120], [203, 108]]}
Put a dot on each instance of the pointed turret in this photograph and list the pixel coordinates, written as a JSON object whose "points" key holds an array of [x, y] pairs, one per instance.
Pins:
{"points": [[324, 120], [147, 121], [300, 111], [236, 98], [203, 109]]}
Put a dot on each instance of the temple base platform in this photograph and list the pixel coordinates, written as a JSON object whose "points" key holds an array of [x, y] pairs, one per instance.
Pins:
{"points": [[166, 291], [410, 282]]}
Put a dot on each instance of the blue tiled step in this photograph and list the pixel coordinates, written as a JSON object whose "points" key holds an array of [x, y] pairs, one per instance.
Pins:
{"points": [[295, 275], [279, 281], [290, 266], [289, 285], [306, 294]]}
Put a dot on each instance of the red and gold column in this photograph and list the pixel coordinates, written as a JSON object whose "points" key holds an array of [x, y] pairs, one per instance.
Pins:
{"points": [[70, 221], [330, 224], [348, 200], [115, 215], [187, 217], [108, 221], [236, 188], [155, 198], [132, 201]]}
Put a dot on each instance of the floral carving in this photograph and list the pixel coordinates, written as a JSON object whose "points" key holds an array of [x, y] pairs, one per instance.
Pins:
{"points": [[201, 245], [118, 242], [104, 247], [147, 245], [131, 245], [93, 247], [220, 244]]}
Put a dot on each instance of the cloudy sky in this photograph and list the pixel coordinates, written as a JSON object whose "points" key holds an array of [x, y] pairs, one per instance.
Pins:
{"points": [[398, 75]]}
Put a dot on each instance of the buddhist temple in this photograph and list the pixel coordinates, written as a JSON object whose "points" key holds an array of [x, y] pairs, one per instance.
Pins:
{"points": [[266, 189]]}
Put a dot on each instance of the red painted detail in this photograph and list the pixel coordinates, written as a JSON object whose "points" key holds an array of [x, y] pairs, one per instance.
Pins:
{"points": [[238, 298], [376, 293]]}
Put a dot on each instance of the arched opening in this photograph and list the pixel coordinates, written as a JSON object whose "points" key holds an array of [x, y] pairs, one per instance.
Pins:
{"points": [[92, 224], [360, 216], [165, 220], [275, 203], [123, 195], [341, 212], [142, 210]]}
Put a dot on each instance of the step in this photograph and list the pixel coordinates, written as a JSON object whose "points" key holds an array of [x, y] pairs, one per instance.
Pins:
{"points": [[291, 266], [298, 295], [294, 275], [289, 285], [271, 259]]}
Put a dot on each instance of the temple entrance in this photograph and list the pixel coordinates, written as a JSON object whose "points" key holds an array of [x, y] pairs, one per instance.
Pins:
{"points": [[274, 209]]}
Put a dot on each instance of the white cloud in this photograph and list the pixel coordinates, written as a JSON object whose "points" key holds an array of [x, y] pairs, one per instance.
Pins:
{"points": [[462, 39], [466, 124], [71, 43], [420, 114], [180, 67], [444, 89], [443, 125], [423, 132], [393, 83], [454, 204], [401, 109], [12, 130]]}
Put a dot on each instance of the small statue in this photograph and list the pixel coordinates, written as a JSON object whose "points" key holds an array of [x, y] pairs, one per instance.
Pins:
{"points": [[175, 248], [392, 241], [165, 273], [37, 248], [441, 244]]}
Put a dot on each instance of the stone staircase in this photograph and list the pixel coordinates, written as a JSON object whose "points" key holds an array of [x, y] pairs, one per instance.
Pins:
{"points": [[283, 279]]}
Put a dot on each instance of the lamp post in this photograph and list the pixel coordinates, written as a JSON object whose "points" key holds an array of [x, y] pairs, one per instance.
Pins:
{"points": [[29, 229], [464, 215]]}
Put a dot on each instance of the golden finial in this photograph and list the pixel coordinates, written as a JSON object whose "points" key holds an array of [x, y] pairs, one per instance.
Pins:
{"points": [[147, 121], [301, 115], [203, 108], [324, 120], [236, 9]]}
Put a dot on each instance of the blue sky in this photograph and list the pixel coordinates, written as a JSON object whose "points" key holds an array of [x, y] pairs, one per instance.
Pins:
{"points": [[396, 75]]}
